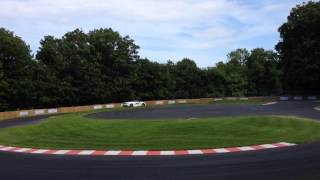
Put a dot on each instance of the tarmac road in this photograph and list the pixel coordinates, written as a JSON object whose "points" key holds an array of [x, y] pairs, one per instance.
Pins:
{"points": [[298, 162], [23, 121], [292, 108]]}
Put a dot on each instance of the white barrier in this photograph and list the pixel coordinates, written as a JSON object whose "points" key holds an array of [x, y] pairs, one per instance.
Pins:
{"points": [[39, 111], [231, 98], [159, 102], [23, 113], [109, 106], [52, 111], [244, 98], [284, 98], [96, 107], [217, 99], [312, 98], [182, 101], [171, 102], [298, 98]]}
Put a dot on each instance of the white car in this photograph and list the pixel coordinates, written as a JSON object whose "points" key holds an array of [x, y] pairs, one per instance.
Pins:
{"points": [[134, 104]]}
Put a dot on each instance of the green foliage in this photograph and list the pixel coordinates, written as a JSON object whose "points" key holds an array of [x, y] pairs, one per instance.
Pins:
{"points": [[3, 89], [16, 71], [300, 49], [153, 80], [102, 66], [215, 82], [239, 55], [263, 73], [255, 73], [89, 68], [188, 80], [235, 77]]}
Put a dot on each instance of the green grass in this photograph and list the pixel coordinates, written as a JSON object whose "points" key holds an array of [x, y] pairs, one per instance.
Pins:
{"points": [[74, 131]]}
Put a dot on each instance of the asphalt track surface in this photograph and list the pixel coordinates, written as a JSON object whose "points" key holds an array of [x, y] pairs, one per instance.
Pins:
{"points": [[301, 109], [23, 121], [298, 162]]}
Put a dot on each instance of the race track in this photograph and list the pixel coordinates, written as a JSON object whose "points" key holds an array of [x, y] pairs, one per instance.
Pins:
{"points": [[298, 162], [301, 109], [23, 121]]}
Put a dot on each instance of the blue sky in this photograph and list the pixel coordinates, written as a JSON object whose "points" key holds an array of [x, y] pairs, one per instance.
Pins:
{"points": [[203, 30]]}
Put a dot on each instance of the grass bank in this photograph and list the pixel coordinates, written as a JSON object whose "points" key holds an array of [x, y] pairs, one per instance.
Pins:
{"points": [[73, 131]]}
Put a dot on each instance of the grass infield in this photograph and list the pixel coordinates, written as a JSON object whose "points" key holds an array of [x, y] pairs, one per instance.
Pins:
{"points": [[74, 131]]}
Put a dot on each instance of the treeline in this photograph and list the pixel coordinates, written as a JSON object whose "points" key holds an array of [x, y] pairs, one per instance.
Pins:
{"points": [[102, 66]]}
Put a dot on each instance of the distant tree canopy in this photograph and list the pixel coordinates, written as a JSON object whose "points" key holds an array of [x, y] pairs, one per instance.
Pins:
{"points": [[3, 89], [102, 66], [299, 49], [263, 72], [90, 68], [15, 72]]}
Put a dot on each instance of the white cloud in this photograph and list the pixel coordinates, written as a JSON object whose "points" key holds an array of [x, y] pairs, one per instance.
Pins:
{"points": [[142, 10], [159, 26]]}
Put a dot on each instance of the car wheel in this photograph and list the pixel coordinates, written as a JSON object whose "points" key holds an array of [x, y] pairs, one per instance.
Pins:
{"points": [[131, 105], [143, 104]]}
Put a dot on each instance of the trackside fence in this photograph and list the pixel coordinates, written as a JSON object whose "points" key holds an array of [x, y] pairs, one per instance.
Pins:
{"points": [[39, 112]]}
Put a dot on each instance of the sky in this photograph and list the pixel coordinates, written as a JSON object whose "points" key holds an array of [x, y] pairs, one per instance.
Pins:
{"points": [[203, 30]]}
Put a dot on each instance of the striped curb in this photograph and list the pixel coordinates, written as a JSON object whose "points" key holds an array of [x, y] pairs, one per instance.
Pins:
{"points": [[143, 153]]}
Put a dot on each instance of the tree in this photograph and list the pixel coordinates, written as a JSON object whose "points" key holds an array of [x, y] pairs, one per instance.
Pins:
{"points": [[102, 66], [263, 73], [87, 68], [116, 56], [214, 83], [239, 55], [64, 59], [3, 90], [235, 78], [16, 62], [53, 88], [189, 80], [153, 80], [299, 49]]}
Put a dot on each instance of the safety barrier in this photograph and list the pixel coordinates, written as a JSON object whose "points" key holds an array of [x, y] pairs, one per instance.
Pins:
{"points": [[37, 112], [299, 98]]}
